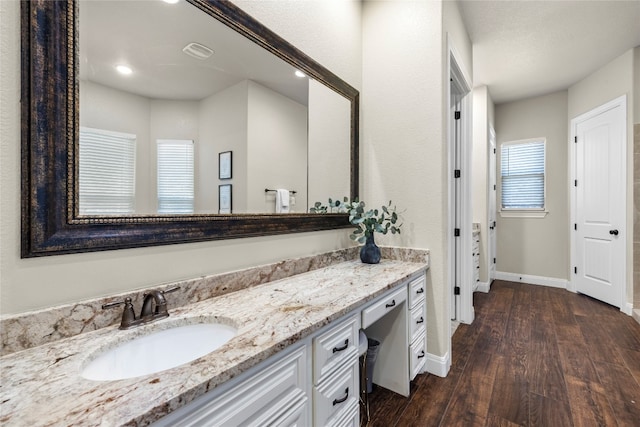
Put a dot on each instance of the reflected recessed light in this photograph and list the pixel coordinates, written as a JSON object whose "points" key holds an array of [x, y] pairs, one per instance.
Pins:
{"points": [[300, 74], [123, 69]]}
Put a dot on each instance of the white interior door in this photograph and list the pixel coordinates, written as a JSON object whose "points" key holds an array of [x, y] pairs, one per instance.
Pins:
{"points": [[492, 205], [600, 204]]}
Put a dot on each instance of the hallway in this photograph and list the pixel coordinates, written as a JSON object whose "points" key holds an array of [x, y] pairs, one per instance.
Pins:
{"points": [[535, 356]]}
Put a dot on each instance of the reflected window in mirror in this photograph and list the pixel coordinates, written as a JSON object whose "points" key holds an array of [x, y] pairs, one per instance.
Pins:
{"points": [[107, 172], [175, 176]]}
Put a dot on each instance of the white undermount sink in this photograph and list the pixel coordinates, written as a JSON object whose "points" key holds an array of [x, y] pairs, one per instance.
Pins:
{"points": [[158, 351]]}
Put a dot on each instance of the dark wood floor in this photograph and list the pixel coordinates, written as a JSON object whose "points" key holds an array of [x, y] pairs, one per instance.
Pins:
{"points": [[534, 356]]}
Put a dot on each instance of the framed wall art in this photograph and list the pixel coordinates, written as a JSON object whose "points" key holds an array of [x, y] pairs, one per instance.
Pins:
{"points": [[224, 165], [224, 199]]}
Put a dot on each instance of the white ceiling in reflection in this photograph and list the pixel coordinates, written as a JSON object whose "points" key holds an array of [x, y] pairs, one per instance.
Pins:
{"points": [[149, 36]]}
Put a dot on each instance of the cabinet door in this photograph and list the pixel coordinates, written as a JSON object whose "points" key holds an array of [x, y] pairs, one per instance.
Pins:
{"points": [[336, 395], [295, 416], [279, 389]]}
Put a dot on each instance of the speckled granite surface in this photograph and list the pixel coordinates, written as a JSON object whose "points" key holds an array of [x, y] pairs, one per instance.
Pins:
{"points": [[19, 332], [42, 385]]}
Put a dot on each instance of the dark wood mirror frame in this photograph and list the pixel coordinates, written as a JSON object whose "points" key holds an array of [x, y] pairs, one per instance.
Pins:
{"points": [[49, 108]]}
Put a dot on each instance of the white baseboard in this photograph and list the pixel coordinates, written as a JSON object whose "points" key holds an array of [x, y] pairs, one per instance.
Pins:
{"points": [[484, 287], [636, 315], [532, 280], [438, 365], [627, 309]]}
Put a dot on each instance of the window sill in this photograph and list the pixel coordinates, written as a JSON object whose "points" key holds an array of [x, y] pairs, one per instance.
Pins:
{"points": [[523, 214]]}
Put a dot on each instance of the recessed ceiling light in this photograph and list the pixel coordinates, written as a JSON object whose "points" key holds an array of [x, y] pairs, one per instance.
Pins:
{"points": [[197, 50], [171, 1], [123, 69], [300, 74]]}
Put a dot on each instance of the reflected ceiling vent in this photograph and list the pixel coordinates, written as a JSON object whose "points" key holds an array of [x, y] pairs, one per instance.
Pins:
{"points": [[197, 50]]}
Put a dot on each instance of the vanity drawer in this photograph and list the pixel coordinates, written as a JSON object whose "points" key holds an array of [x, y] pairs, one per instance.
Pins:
{"points": [[383, 306], [418, 355], [335, 347], [350, 418], [417, 321], [417, 289], [336, 396]]}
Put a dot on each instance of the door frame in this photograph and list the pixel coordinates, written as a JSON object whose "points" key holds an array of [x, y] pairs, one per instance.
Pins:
{"points": [[465, 310], [573, 194], [492, 196]]}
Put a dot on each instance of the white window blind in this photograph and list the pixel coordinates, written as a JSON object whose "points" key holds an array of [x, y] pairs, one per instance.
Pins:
{"points": [[175, 176], [522, 171], [106, 172]]}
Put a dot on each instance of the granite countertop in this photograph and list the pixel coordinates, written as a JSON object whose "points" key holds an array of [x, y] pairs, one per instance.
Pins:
{"points": [[43, 386]]}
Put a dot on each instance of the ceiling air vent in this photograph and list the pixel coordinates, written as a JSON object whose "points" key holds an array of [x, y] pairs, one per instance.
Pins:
{"points": [[197, 50]]}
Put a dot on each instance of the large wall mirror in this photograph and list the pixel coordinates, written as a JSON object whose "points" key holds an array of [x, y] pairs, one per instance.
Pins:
{"points": [[159, 122]]}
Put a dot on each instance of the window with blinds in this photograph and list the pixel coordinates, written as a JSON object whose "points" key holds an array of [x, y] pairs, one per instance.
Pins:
{"points": [[106, 178], [175, 176], [522, 167]]}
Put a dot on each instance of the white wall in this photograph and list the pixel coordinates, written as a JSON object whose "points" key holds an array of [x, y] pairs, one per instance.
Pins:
{"points": [[453, 27], [28, 284], [223, 118], [276, 148], [609, 82], [404, 149], [329, 145], [537, 246]]}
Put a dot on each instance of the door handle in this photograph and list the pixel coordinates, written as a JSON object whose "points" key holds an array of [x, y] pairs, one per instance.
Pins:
{"points": [[613, 232]]}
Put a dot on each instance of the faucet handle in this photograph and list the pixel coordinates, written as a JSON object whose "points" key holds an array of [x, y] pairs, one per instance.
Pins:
{"points": [[166, 291], [128, 315]]}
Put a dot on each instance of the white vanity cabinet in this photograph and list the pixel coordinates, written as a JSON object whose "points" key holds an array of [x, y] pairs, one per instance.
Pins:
{"points": [[385, 320], [335, 374], [315, 384], [417, 325], [475, 243], [398, 319], [316, 381], [277, 394]]}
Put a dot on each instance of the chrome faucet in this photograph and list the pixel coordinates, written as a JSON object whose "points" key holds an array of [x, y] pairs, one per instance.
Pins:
{"points": [[154, 307]]}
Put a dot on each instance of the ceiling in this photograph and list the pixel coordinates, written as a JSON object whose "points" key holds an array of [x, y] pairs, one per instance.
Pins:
{"points": [[529, 48], [149, 36]]}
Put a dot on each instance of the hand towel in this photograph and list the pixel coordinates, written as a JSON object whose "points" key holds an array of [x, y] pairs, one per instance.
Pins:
{"points": [[282, 201]]}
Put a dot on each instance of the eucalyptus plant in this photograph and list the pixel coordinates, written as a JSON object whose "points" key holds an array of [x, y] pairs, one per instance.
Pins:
{"points": [[367, 222]]}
